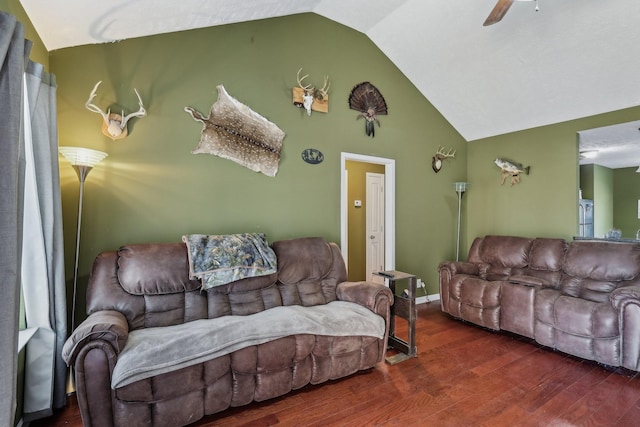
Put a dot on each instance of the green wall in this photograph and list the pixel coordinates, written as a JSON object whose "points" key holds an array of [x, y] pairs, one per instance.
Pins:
{"points": [[586, 183], [603, 208], [626, 189], [597, 184], [152, 189], [615, 193], [544, 203]]}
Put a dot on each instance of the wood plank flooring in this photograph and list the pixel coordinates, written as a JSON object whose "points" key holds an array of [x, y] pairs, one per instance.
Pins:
{"points": [[463, 376]]}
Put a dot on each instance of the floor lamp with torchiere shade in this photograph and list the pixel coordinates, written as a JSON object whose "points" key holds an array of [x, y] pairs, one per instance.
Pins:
{"points": [[460, 187], [82, 160]]}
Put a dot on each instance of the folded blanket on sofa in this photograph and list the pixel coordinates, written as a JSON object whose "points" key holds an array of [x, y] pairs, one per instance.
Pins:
{"points": [[153, 351], [221, 259]]}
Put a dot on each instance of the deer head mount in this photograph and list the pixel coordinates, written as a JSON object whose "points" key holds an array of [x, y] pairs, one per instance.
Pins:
{"points": [[114, 125], [436, 162], [308, 97]]}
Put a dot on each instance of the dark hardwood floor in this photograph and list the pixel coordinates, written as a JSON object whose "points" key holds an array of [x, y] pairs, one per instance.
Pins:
{"points": [[463, 376]]}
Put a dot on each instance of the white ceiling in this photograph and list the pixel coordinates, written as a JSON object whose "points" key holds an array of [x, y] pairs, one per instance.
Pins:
{"points": [[616, 146], [572, 59]]}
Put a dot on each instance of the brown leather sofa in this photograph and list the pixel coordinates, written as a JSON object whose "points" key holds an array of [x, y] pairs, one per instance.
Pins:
{"points": [[580, 297], [148, 286]]}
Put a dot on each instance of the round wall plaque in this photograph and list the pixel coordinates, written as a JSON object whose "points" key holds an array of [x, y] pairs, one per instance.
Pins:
{"points": [[312, 156]]}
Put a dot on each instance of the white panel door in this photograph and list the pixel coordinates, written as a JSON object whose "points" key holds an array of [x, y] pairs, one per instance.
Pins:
{"points": [[375, 226]]}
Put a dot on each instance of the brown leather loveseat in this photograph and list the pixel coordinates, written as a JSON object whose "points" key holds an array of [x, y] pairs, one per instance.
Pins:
{"points": [[140, 297], [581, 297]]}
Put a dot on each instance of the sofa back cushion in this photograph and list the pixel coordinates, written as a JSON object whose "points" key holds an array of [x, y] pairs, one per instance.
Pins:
{"points": [[309, 270], [506, 251], [149, 283], [153, 269], [474, 251], [594, 268], [547, 254], [605, 261]]}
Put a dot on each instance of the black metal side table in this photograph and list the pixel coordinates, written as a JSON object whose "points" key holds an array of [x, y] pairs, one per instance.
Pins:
{"points": [[404, 306]]}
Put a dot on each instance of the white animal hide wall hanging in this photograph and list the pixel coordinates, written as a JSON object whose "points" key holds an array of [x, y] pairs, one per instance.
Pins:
{"points": [[234, 131], [436, 161], [114, 125], [310, 98]]}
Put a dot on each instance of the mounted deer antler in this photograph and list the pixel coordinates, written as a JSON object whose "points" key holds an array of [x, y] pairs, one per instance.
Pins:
{"points": [[306, 88], [322, 94], [436, 162], [307, 96], [115, 125]]}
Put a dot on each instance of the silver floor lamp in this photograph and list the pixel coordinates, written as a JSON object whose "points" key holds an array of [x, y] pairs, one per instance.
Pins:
{"points": [[82, 160], [460, 187]]}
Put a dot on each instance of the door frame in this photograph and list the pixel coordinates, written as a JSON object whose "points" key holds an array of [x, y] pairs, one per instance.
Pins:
{"points": [[389, 205]]}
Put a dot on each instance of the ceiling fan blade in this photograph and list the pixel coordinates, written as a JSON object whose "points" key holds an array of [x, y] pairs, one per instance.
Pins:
{"points": [[498, 12]]}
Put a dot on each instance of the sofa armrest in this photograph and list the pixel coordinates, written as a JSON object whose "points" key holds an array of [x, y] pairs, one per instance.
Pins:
{"points": [[626, 294], [626, 300], [376, 297], [108, 325], [459, 267]]}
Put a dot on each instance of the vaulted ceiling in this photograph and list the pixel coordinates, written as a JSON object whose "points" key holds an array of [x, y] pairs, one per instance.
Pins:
{"points": [[570, 59]]}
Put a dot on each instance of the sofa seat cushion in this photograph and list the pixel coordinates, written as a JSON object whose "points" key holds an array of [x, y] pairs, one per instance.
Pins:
{"points": [[153, 351], [176, 383], [254, 373], [516, 305], [588, 289], [577, 326], [475, 300]]}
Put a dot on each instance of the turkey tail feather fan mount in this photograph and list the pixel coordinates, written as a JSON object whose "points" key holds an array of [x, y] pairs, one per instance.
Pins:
{"points": [[367, 99]]}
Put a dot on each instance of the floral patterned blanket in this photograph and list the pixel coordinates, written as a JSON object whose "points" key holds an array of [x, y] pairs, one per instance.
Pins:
{"points": [[220, 259]]}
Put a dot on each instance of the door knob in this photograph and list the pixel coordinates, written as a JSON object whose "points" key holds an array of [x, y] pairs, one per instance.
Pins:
{"points": [[372, 237]]}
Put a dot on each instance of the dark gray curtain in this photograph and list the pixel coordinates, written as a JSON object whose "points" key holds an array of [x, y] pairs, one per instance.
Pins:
{"points": [[43, 283], [31, 253], [12, 54]]}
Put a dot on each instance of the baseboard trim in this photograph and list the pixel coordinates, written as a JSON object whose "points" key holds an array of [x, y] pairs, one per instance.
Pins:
{"points": [[428, 298]]}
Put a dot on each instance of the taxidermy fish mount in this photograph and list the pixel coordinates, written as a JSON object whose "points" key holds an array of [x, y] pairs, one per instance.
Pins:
{"points": [[436, 161], [310, 98], [512, 169], [234, 131], [367, 99]]}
